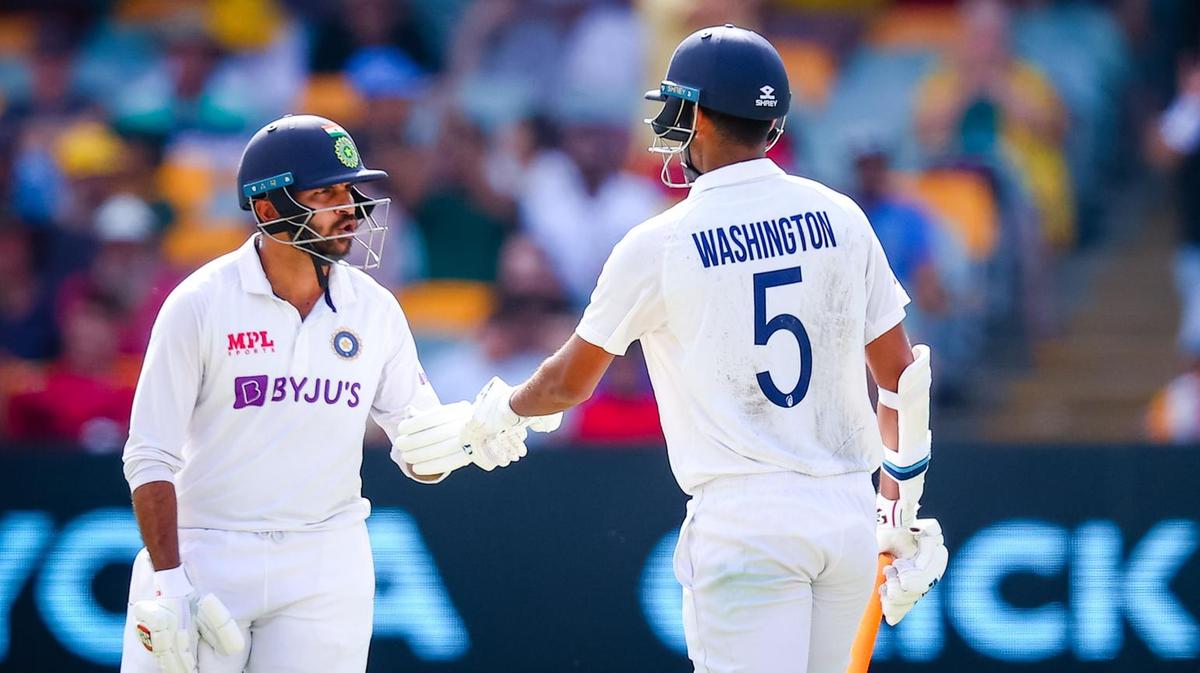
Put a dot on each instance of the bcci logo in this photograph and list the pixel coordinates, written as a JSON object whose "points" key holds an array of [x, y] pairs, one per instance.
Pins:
{"points": [[343, 146], [345, 344], [346, 152], [767, 97]]}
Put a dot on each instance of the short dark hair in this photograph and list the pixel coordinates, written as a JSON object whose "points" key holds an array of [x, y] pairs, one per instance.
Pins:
{"points": [[741, 130]]}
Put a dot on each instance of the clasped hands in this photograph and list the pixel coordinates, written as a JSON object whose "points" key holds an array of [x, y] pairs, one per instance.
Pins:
{"points": [[487, 433]]}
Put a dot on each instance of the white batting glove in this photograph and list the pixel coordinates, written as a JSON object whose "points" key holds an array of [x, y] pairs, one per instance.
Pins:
{"points": [[428, 442], [431, 443], [893, 534], [170, 625], [498, 450], [493, 414], [911, 576]]}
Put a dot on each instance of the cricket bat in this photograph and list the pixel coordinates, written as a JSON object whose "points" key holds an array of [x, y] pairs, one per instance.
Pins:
{"points": [[868, 628]]}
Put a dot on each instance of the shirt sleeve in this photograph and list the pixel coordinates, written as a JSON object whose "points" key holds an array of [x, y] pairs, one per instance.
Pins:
{"points": [[167, 389], [886, 298], [403, 387], [628, 300]]}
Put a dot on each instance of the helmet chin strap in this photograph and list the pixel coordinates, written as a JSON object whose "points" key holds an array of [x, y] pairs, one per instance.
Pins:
{"points": [[689, 167], [321, 268]]}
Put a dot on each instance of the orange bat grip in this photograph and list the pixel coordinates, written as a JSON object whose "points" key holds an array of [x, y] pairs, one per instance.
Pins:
{"points": [[868, 628]]}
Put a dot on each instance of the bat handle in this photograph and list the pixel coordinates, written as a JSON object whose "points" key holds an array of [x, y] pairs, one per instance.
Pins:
{"points": [[868, 628]]}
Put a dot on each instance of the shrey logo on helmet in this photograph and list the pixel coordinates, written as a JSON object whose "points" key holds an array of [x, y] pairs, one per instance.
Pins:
{"points": [[767, 97]]}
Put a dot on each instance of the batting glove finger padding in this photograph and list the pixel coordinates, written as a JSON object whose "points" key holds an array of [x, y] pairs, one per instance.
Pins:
{"points": [[434, 422], [433, 436], [430, 452], [500, 450], [906, 580], [430, 440], [217, 627], [164, 629], [443, 464]]}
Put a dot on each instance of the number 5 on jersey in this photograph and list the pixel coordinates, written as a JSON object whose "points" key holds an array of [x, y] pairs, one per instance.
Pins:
{"points": [[763, 329]]}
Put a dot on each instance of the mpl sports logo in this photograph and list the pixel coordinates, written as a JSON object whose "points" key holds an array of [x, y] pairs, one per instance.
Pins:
{"points": [[247, 343], [767, 97], [256, 391]]}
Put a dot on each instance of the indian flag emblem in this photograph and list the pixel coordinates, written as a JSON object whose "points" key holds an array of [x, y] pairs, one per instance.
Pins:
{"points": [[335, 131]]}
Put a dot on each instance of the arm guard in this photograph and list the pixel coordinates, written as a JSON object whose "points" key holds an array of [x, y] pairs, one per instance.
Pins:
{"points": [[908, 464]]}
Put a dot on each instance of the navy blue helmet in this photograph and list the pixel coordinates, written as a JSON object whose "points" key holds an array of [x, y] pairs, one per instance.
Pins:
{"points": [[728, 69], [300, 152], [731, 70]]}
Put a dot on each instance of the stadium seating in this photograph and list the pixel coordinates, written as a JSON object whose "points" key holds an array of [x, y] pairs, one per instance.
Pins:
{"points": [[812, 70], [331, 96], [964, 203], [446, 307], [915, 27]]}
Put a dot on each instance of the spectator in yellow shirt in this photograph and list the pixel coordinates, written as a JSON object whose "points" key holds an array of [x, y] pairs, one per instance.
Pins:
{"points": [[985, 102]]}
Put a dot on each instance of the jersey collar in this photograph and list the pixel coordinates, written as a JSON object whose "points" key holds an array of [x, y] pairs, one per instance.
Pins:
{"points": [[742, 171], [254, 278], [250, 270]]}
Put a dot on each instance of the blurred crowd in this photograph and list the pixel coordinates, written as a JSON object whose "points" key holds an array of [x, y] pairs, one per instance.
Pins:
{"points": [[982, 137], [1173, 145]]}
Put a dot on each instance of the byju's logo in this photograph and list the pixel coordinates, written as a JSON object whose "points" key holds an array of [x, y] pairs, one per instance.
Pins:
{"points": [[767, 97], [245, 343], [249, 391], [253, 391]]}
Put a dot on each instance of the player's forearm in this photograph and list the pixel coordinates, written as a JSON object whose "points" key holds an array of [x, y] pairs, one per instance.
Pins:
{"points": [[565, 379], [157, 516], [544, 393]]}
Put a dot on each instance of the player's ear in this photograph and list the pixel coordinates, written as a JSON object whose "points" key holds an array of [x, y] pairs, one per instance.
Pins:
{"points": [[701, 120], [704, 125], [264, 210]]}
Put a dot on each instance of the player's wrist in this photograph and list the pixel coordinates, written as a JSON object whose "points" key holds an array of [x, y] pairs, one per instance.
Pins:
{"points": [[172, 583]]}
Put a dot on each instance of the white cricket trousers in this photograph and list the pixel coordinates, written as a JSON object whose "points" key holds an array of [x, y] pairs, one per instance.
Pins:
{"points": [[776, 571], [304, 600]]}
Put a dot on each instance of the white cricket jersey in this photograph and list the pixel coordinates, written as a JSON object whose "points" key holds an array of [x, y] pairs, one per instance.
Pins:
{"points": [[258, 416], [753, 299]]}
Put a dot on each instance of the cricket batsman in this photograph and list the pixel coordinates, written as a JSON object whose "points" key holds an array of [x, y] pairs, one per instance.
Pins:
{"points": [[247, 430], [759, 301]]}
